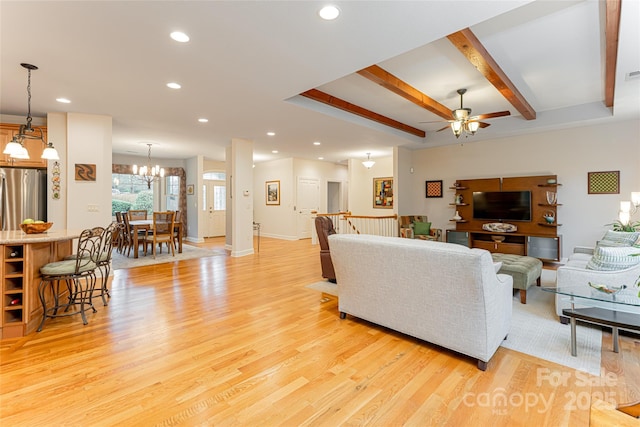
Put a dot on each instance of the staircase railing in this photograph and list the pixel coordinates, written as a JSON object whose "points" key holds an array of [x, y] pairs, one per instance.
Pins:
{"points": [[376, 225]]}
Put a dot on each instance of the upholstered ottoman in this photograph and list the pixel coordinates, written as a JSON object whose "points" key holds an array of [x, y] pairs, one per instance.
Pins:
{"points": [[524, 269]]}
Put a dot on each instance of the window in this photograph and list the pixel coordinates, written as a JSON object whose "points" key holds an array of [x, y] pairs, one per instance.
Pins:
{"points": [[172, 197], [130, 192], [214, 176]]}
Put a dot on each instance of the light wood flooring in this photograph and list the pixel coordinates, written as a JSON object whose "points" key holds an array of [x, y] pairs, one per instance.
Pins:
{"points": [[242, 342]]}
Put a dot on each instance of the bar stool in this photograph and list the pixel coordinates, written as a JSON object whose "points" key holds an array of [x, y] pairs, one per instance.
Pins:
{"points": [[78, 275], [110, 236]]}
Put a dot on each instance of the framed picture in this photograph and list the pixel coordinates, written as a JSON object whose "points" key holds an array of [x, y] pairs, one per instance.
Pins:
{"points": [[85, 172], [190, 190], [603, 182], [433, 188], [273, 192], [383, 193]]}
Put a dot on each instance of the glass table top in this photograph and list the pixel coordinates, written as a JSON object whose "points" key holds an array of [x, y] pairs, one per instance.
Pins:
{"points": [[627, 296]]}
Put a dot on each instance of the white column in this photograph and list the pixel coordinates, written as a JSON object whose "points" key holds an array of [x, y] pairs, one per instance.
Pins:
{"points": [[241, 194]]}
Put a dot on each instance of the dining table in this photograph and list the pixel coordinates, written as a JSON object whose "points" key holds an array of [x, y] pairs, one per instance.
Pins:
{"points": [[147, 224]]}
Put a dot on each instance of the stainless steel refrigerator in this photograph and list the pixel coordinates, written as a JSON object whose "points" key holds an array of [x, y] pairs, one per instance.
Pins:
{"points": [[23, 194]]}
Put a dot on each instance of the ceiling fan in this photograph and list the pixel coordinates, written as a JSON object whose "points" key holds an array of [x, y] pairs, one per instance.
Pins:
{"points": [[463, 122]]}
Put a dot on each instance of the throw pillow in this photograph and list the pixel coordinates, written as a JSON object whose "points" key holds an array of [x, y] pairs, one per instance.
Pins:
{"points": [[497, 266], [619, 238], [610, 258], [421, 228]]}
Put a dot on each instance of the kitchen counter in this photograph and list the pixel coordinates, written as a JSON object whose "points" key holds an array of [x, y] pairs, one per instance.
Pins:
{"points": [[15, 237], [21, 256]]}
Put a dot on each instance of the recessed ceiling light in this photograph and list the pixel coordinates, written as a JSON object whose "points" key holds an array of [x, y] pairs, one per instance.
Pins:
{"points": [[329, 13], [173, 85], [320, 158], [179, 36], [203, 120], [271, 133], [63, 100], [274, 151], [316, 143]]}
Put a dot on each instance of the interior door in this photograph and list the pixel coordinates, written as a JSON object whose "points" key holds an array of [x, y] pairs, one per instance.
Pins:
{"points": [[308, 199], [215, 207]]}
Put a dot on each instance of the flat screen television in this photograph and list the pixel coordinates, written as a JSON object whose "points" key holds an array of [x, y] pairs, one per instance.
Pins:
{"points": [[502, 205]]}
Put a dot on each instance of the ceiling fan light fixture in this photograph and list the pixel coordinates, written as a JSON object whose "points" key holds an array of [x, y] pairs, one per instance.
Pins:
{"points": [[461, 113], [368, 163], [472, 127], [456, 127]]}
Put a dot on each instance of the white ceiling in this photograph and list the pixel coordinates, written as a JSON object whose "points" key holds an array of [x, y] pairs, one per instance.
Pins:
{"points": [[247, 62]]}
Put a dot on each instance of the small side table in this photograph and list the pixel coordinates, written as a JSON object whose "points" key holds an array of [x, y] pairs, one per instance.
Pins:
{"points": [[256, 227]]}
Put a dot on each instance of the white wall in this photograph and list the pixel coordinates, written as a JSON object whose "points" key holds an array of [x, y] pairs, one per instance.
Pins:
{"points": [[81, 139], [569, 153], [193, 171], [280, 221], [361, 186]]}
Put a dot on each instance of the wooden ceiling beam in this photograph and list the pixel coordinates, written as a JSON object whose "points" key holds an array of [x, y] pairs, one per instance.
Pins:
{"points": [[341, 104], [475, 52], [611, 31], [399, 87]]}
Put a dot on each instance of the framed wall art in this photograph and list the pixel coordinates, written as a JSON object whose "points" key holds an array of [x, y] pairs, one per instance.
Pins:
{"points": [[190, 189], [85, 172], [272, 192], [433, 188], [603, 182], [383, 193]]}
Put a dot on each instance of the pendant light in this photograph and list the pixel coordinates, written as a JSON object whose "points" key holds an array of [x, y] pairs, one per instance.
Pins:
{"points": [[149, 173], [15, 148], [368, 163]]}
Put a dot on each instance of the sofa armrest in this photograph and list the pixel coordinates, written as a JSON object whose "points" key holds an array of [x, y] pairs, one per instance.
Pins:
{"points": [[583, 250]]}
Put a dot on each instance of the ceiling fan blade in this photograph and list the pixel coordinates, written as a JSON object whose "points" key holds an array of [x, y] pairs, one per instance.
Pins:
{"points": [[446, 127], [491, 115], [484, 125]]}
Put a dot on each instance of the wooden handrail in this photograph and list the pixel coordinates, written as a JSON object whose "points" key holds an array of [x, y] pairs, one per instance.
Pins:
{"points": [[372, 217]]}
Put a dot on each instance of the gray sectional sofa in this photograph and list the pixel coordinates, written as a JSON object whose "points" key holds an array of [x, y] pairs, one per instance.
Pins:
{"points": [[443, 293]]}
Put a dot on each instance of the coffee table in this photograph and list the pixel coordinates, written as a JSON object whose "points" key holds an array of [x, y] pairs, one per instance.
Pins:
{"points": [[614, 310]]}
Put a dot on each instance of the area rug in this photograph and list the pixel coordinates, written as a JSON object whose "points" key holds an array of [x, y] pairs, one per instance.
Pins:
{"points": [[536, 330], [324, 286], [120, 261]]}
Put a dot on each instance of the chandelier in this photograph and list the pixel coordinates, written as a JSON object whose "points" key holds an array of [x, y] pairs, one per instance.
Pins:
{"points": [[461, 121], [15, 148], [148, 173], [368, 163]]}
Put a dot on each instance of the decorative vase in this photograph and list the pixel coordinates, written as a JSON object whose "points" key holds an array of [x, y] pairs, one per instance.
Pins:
{"points": [[552, 197], [550, 217], [457, 216]]}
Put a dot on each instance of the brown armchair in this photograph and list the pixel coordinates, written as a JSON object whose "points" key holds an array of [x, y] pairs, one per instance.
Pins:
{"points": [[324, 228]]}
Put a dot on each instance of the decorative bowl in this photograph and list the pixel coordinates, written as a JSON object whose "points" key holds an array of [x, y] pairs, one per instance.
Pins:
{"points": [[605, 289], [36, 228], [498, 239]]}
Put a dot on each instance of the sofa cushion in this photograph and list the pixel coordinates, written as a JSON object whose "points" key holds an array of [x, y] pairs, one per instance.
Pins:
{"points": [[619, 238], [614, 258], [421, 228]]}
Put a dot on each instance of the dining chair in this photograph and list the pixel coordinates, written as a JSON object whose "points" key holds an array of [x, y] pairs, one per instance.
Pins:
{"points": [[176, 230], [128, 233], [163, 230], [136, 214], [77, 273]]}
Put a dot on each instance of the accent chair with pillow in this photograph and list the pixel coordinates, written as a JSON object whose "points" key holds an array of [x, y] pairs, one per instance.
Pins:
{"points": [[418, 227], [615, 261]]}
